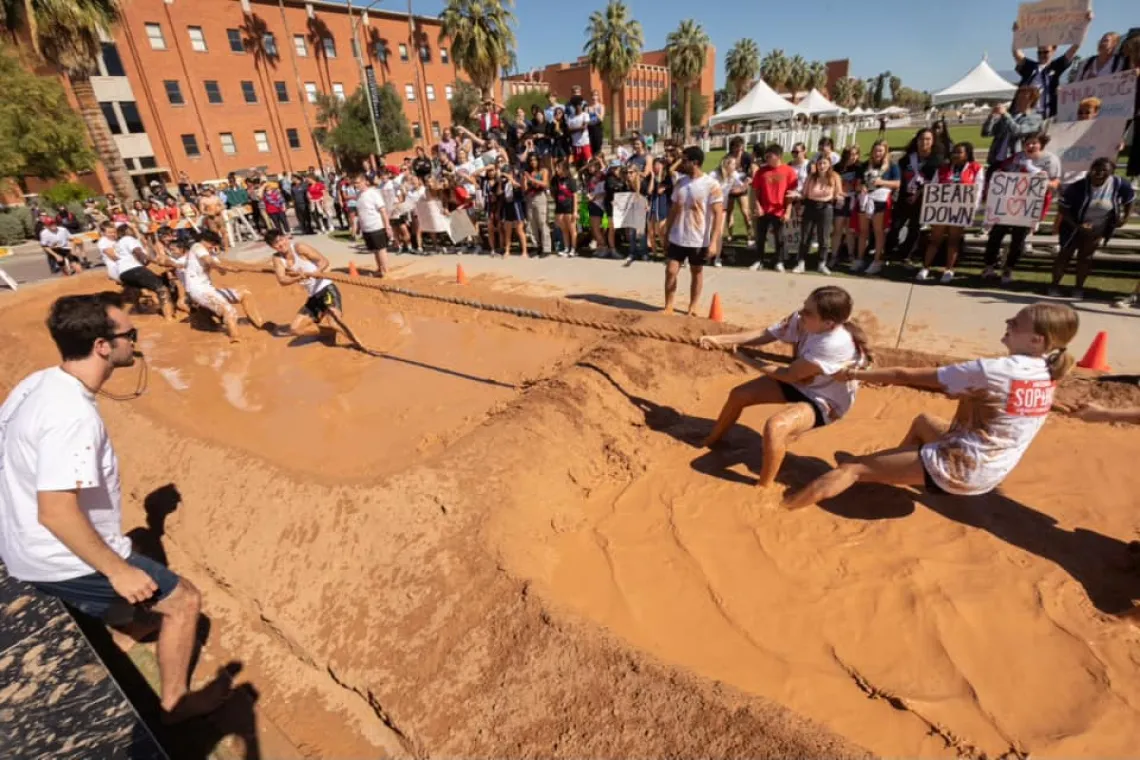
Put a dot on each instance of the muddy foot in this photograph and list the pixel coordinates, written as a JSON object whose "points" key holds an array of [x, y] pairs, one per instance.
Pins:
{"points": [[195, 704]]}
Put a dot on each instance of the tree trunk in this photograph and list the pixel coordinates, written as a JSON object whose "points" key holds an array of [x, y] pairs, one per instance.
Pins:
{"points": [[687, 115], [101, 138], [614, 92]]}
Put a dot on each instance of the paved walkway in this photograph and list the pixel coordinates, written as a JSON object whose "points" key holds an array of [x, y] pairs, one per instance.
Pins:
{"points": [[931, 318]]}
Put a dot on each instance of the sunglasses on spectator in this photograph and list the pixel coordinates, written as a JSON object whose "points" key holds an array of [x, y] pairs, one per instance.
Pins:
{"points": [[132, 335]]}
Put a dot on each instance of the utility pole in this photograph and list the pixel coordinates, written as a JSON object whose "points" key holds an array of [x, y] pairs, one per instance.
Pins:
{"points": [[359, 53]]}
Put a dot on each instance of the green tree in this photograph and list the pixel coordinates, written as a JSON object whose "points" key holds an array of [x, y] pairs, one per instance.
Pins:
{"points": [[741, 67], [65, 34], [40, 136], [345, 129], [775, 69], [685, 49], [858, 91], [698, 108], [896, 85], [524, 100], [481, 37], [465, 100], [613, 46], [798, 74], [844, 94], [817, 76], [877, 98]]}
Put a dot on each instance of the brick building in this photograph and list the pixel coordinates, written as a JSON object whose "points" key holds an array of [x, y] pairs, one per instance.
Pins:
{"points": [[648, 79], [211, 87]]}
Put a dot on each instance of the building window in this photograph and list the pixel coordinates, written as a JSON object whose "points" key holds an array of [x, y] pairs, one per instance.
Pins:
{"points": [[236, 44], [148, 162], [197, 39], [111, 61], [330, 47], [130, 164], [294, 138], [269, 42], [131, 119], [447, 91], [213, 93], [431, 92], [410, 92], [417, 131], [154, 35], [111, 117], [443, 57], [174, 92], [248, 92], [262, 140], [311, 91], [425, 54], [403, 52], [380, 51], [229, 147], [190, 145], [299, 46], [435, 129], [282, 92], [338, 90]]}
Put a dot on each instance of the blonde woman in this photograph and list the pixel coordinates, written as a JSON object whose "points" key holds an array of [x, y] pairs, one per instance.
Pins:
{"points": [[877, 180], [730, 183], [822, 188]]}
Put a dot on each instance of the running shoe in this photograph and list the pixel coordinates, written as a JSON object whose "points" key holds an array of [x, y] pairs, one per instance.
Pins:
{"points": [[780, 266], [756, 267], [799, 268], [875, 268], [857, 266], [717, 263], [947, 277], [1124, 303], [923, 275], [823, 268]]}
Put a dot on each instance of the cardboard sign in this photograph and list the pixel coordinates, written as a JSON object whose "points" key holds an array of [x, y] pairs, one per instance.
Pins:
{"points": [[630, 210], [7, 280], [432, 217], [949, 204], [1051, 22], [1079, 143], [1016, 199], [1116, 92], [461, 227], [793, 233]]}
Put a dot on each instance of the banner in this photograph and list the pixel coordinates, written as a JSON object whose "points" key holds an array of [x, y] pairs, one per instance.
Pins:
{"points": [[949, 204], [1016, 199], [629, 211], [461, 227], [1116, 92], [1079, 143], [1051, 22], [373, 89], [432, 217]]}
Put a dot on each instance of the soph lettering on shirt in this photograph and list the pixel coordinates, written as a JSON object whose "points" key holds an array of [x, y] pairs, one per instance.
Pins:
{"points": [[1030, 398]]}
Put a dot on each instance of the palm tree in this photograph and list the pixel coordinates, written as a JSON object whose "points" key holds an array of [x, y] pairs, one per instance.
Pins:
{"points": [[65, 35], [858, 91], [685, 49], [774, 69], [481, 37], [844, 94], [742, 66], [254, 30], [797, 74], [896, 85], [817, 76], [613, 46]]}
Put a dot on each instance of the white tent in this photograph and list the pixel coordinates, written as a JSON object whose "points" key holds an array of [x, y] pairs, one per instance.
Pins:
{"points": [[859, 111], [982, 83], [817, 104], [760, 104], [893, 111]]}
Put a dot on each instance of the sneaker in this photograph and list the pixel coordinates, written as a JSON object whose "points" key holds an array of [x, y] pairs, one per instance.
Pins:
{"points": [[780, 266], [947, 277], [1006, 278], [989, 273], [1124, 303], [857, 266], [875, 268], [1079, 294], [1053, 292], [923, 275], [562, 254], [756, 267], [751, 244], [629, 261], [717, 262], [799, 268], [823, 268]]}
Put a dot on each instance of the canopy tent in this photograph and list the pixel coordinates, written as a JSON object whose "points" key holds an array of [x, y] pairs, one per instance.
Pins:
{"points": [[982, 83], [893, 111], [817, 104], [859, 111], [760, 104]]}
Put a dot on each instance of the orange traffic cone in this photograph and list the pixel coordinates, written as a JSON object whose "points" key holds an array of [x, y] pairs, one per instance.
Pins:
{"points": [[460, 275], [1096, 358], [352, 269], [716, 313]]}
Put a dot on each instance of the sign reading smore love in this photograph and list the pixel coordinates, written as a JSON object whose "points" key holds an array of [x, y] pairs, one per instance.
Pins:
{"points": [[1016, 199], [949, 204]]}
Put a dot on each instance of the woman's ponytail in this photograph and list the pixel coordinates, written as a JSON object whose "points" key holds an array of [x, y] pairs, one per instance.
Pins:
{"points": [[1060, 362]]}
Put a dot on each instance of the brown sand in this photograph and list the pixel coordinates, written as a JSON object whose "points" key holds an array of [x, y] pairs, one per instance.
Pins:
{"points": [[410, 559]]}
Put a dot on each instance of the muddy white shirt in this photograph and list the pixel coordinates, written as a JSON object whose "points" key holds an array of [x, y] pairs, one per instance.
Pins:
{"points": [[1004, 403], [52, 439], [102, 245], [194, 274], [831, 351], [696, 200], [125, 249]]}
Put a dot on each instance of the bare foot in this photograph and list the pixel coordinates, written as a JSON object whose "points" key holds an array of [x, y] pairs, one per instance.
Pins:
{"points": [[668, 310], [195, 704]]}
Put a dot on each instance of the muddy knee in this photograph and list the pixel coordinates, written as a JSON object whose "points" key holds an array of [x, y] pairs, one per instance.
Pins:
{"points": [[185, 600]]}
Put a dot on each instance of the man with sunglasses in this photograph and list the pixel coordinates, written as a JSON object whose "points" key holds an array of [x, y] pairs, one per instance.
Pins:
{"points": [[1044, 74], [60, 504]]}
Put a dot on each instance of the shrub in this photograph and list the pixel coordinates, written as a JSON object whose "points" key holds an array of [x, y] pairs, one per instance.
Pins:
{"points": [[11, 229], [65, 193], [24, 214]]}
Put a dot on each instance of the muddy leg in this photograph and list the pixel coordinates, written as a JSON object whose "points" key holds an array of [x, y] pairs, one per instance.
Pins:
{"points": [[762, 390]]}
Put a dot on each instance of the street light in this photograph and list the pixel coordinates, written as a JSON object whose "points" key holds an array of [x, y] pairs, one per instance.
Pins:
{"points": [[358, 54]]}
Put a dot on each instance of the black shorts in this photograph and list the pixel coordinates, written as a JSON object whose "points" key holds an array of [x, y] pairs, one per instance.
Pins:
{"points": [[377, 240], [880, 207], [318, 305], [596, 211], [400, 221], [697, 257], [143, 278], [794, 395], [93, 594]]}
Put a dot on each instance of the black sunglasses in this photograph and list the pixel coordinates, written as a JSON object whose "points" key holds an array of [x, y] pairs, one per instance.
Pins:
{"points": [[132, 335]]}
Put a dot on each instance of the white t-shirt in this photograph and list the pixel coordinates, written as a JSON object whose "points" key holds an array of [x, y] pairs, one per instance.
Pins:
{"points": [[368, 207], [728, 184], [61, 238], [112, 266], [1004, 402], [194, 274], [125, 248], [697, 200], [581, 138], [390, 189], [802, 172], [831, 351], [52, 439]]}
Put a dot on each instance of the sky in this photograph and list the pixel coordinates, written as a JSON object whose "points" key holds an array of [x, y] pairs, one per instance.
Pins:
{"points": [[930, 44]]}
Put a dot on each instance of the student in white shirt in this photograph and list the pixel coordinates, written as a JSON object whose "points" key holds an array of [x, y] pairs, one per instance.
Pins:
{"points": [[372, 215], [105, 245], [1004, 402], [56, 242], [827, 343], [131, 265], [197, 264], [696, 220], [60, 496]]}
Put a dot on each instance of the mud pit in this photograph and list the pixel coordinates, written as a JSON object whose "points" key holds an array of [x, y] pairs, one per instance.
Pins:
{"points": [[412, 560]]}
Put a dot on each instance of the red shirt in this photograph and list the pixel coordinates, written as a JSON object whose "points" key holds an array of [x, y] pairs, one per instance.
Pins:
{"points": [[316, 191], [771, 186]]}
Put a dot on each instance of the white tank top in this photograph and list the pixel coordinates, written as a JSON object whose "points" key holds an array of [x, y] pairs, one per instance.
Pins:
{"points": [[313, 285]]}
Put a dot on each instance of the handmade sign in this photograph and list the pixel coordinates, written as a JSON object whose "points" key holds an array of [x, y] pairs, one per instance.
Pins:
{"points": [[1015, 199], [629, 211], [949, 204], [1116, 93], [461, 227], [1051, 22], [432, 217], [1079, 143]]}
